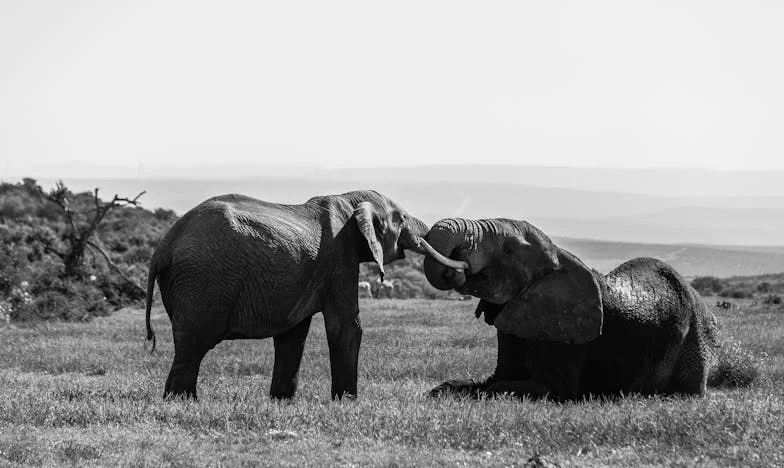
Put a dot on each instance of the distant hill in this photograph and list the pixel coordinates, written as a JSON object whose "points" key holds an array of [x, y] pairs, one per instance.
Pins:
{"points": [[688, 260], [669, 182], [621, 217], [659, 182]]}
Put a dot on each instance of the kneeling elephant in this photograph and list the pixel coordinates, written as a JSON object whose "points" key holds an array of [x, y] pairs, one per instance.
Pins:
{"points": [[566, 331]]}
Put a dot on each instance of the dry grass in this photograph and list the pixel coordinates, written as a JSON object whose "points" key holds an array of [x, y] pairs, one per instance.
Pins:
{"points": [[88, 394]]}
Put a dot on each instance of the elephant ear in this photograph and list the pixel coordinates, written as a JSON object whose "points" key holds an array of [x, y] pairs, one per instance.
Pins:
{"points": [[563, 306], [548, 250], [364, 214]]}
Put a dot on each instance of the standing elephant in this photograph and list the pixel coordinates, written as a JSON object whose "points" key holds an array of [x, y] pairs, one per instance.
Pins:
{"points": [[235, 267], [384, 288], [565, 331], [364, 289]]}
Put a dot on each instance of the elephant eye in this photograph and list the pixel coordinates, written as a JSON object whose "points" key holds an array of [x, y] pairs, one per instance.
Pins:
{"points": [[507, 249]]}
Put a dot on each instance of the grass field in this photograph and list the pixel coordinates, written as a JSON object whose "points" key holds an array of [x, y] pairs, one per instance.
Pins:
{"points": [[89, 394]]}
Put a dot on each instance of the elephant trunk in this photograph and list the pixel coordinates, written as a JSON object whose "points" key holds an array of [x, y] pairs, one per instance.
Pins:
{"points": [[445, 237]]}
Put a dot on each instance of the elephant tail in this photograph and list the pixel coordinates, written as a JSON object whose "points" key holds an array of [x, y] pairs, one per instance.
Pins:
{"points": [[151, 276]]}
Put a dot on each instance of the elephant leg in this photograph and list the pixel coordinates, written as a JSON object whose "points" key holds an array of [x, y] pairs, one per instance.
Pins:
{"points": [[690, 375], [184, 373], [288, 356], [463, 388], [343, 338], [510, 366]]}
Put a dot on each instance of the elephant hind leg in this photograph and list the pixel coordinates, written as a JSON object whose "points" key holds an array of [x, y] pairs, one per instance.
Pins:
{"points": [[690, 375], [184, 373], [289, 347]]}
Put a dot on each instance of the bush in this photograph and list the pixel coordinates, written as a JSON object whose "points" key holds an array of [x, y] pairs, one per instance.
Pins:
{"points": [[50, 296], [736, 367], [772, 299], [118, 291], [707, 285], [410, 276], [12, 268], [33, 237], [736, 292]]}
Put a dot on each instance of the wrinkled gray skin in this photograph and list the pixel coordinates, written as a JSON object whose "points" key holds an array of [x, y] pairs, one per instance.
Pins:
{"points": [[565, 331], [235, 267]]}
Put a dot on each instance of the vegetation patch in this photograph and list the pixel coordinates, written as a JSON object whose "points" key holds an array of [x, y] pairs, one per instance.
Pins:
{"points": [[768, 289], [59, 407], [20, 448], [72, 257], [75, 452], [737, 366]]}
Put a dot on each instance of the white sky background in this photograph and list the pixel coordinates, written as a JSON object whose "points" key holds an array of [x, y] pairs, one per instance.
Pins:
{"points": [[179, 83]]}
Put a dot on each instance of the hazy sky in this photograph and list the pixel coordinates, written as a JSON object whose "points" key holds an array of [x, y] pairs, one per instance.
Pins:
{"points": [[626, 83]]}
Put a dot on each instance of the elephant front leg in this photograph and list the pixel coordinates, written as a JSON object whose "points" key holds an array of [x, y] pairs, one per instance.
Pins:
{"points": [[288, 356], [549, 370], [490, 388], [467, 388], [510, 365], [343, 338]]}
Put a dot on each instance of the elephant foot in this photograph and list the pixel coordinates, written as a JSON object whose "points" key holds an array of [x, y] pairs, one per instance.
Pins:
{"points": [[280, 391], [182, 395], [282, 395], [344, 396], [459, 388], [183, 375]]}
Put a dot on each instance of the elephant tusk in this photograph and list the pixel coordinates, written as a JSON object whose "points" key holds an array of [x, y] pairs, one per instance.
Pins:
{"points": [[447, 262]]}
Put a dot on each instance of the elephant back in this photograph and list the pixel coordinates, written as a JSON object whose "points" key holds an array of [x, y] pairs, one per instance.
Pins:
{"points": [[648, 292], [245, 260], [663, 326]]}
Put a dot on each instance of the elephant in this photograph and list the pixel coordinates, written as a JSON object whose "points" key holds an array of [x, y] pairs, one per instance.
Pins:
{"points": [[565, 331], [364, 289], [235, 267], [384, 288]]}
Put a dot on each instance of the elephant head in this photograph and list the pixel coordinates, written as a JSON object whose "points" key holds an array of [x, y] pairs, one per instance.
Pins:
{"points": [[387, 229], [528, 286]]}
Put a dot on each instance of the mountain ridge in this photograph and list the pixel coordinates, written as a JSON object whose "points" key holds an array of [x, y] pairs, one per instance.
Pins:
{"points": [[698, 241], [661, 181], [564, 212]]}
